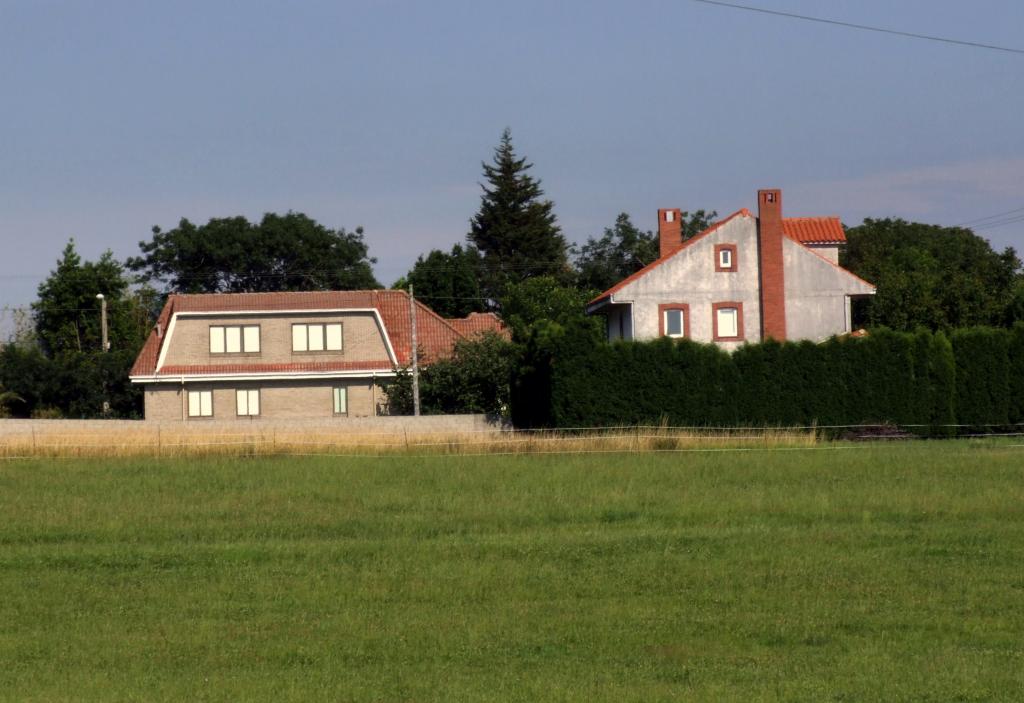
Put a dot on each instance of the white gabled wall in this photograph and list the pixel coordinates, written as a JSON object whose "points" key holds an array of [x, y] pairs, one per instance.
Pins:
{"points": [[816, 294], [690, 277]]}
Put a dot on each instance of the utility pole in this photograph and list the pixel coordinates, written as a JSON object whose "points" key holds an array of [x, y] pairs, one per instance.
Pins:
{"points": [[103, 321], [105, 344], [415, 357]]}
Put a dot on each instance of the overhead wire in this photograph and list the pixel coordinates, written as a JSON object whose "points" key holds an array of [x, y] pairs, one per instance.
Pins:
{"points": [[863, 27]]}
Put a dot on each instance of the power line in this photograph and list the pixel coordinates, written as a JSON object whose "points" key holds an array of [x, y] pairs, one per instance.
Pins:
{"points": [[979, 220], [864, 27]]}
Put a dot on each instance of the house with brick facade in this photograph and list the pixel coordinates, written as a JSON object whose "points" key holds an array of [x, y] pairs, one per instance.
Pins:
{"points": [[744, 279], [244, 356]]}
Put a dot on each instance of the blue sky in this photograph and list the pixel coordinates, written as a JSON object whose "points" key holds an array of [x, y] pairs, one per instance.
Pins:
{"points": [[117, 116]]}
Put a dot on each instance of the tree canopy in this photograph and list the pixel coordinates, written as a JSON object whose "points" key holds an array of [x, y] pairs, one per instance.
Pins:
{"points": [[624, 249], [448, 282], [930, 276], [515, 229], [288, 252], [67, 311]]}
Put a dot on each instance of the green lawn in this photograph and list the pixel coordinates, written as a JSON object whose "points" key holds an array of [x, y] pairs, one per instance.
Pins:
{"points": [[883, 572]]}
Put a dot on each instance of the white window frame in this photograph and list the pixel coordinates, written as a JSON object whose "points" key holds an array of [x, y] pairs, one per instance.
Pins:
{"points": [[682, 322], [235, 339], [735, 330], [318, 337], [247, 402], [725, 258], [200, 403], [340, 400]]}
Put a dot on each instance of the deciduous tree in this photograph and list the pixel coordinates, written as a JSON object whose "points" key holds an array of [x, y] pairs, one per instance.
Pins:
{"points": [[930, 276], [232, 255]]}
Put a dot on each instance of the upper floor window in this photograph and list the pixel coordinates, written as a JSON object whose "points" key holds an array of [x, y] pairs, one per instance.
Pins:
{"points": [[325, 337], [235, 339], [725, 257]]}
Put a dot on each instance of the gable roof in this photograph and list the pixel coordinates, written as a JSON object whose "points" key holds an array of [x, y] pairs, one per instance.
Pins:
{"points": [[435, 336], [803, 230]]}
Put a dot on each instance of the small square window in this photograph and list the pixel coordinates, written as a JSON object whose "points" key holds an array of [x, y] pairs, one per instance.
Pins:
{"points": [[670, 216], [725, 258]]}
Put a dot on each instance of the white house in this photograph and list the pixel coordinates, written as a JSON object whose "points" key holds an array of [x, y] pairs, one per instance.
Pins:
{"points": [[744, 279]]}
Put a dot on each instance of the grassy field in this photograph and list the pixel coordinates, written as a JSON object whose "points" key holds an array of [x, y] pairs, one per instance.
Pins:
{"points": [[882, 572]]}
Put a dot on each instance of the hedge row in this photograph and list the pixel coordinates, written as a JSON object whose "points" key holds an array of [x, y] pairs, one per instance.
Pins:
{"points": [[931, 381]]}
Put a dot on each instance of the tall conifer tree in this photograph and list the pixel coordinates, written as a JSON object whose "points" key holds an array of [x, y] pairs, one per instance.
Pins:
{"points": [[515, 229]]}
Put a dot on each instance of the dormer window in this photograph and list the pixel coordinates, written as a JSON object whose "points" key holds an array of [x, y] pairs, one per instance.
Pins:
{"points": [[235, 339], [725, 257]]}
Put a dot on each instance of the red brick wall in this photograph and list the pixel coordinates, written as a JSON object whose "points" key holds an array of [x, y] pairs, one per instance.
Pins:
{"points": [[773, 281], [670, 233]]}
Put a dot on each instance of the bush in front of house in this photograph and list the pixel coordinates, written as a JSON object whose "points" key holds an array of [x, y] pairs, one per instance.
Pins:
{"points": [[924, 381]]}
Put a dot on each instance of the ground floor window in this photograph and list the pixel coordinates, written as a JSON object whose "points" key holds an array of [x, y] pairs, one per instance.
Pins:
{"points": [[247, 402], [200, 403], [340, 400], [728, 321], [674, 320]]}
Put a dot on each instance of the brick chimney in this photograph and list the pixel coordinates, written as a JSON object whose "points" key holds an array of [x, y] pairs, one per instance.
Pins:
{"points": [[773, 280], [670, 231]]}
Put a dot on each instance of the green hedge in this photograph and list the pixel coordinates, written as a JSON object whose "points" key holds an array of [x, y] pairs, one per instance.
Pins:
{"points": [[926, 381]]}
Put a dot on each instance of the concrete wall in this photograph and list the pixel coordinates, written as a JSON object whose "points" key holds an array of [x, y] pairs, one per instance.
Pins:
{"points": [[817, 294], [690, 277], [362, 339], [279, 400]]}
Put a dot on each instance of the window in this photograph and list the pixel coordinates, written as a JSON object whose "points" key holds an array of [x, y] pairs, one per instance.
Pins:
{"points": [[247, 402], [341, 401], [200, 403], [674, 320], [727, 319], [674, 323], [315, 338], [725, 257], [236, 339]]}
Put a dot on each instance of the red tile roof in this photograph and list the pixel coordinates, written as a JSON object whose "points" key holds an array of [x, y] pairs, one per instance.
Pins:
{"points": [[436, 336], [805, 230], [478, 322], [814, 230]]}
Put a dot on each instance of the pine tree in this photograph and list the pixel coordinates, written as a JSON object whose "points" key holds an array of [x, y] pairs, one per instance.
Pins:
{"points": [[515, 229]]}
